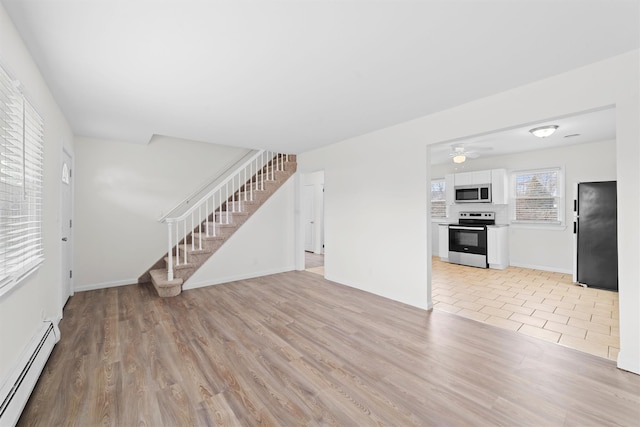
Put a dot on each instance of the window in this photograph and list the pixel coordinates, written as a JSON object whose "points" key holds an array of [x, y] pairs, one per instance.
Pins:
{"points": [[21, 164], [438, 199], [538, 196]]}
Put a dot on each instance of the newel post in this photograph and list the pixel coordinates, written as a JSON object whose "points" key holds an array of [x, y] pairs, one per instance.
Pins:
{"points": [[170, 266]]}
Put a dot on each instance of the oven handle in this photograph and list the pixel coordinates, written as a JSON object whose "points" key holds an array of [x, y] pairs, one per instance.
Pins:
{"points": [[464, 227]]}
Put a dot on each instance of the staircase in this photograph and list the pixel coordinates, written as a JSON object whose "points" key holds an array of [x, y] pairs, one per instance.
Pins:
{"points": [[196, 235]]}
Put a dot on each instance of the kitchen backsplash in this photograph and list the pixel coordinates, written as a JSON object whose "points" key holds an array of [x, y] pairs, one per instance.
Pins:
{"points": [[502, 211]]}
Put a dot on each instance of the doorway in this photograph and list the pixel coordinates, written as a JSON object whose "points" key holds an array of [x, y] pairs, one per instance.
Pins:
{"points": [[535, 294], [312, 200], [66, 224]]}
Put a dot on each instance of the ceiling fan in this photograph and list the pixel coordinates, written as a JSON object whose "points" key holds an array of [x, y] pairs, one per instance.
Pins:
{"points": [[459, 153]]}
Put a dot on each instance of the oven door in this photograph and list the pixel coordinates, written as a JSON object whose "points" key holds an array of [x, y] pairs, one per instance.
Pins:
{"points": [[468, 239]]}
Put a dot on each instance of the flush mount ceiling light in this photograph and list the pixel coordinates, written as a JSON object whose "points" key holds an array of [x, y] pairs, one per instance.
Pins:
{"points": [[459, 158], [544, 131]]}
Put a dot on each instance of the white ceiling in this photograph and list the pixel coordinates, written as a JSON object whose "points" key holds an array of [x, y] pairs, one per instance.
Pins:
{"points": [[299, 74], [581, 128]]}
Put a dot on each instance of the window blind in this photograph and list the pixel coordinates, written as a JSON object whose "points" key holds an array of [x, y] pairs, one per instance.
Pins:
{"points": [[438, 199], [538, 196], [21, 168]]}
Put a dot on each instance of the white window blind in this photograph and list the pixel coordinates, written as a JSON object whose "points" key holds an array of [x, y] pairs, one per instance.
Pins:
{"points": [[438, 199], [21, 165], [538, 196]]}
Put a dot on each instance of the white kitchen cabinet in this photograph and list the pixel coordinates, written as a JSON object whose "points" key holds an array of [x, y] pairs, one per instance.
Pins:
{"points": [[473, 178], [449, 189], [443, 242], [498, 247], [499, 187]]}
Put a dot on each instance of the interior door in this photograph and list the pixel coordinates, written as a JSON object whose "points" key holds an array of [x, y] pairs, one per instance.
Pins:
{"points": [[66, 207], [308, 212]]}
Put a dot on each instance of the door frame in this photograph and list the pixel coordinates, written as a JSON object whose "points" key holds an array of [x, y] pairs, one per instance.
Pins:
{"points": [[66, 291], [300, 220]]}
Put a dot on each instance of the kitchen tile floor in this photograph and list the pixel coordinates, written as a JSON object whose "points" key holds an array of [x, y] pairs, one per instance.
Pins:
{"points": [[314, 263], [538, 303]]}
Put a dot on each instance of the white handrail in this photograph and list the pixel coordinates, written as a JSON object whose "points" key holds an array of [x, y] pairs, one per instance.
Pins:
{"points": [[214, 190], [231, 166], [253, 172]]}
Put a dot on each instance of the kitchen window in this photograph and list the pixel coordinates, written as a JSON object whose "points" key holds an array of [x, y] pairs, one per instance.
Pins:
{"points": [[538, 196], [21, 166], [438, 199]]}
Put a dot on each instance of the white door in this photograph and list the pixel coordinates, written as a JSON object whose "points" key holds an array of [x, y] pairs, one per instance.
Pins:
{"points": [[66, 224], [308, 215], [320, 220]]}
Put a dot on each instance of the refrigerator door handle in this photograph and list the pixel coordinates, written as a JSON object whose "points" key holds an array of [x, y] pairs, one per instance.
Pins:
{"points": [[575, 227]]}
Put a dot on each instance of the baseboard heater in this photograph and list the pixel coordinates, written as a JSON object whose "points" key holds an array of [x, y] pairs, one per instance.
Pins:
{"points": [[16, 390]]}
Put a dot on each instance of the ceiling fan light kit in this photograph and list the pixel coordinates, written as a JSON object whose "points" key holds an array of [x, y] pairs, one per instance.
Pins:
{"points": [[544, 131], [459, 158]]}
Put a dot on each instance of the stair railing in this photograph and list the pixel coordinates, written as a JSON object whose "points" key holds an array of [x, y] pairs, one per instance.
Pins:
{"points": [[214, 208]]}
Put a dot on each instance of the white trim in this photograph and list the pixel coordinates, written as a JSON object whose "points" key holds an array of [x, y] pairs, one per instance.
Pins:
{"points": [[562, 198], [105, 285], [351, 284], [219, 281], [542, 267], [68, 152], [17, 386], [628, 363]]}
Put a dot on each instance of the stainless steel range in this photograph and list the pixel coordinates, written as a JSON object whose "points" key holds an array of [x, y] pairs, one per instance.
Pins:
{"points": [[468, 238]]}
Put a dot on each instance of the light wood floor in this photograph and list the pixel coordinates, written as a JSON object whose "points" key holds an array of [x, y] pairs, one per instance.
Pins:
{"points": [[538, 303], [294, 349]]}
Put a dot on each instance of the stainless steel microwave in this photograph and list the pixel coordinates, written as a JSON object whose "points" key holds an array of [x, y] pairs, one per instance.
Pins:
{"points": [[473, 193]]}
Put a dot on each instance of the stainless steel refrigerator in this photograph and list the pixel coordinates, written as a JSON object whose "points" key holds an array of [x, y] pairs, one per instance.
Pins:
{"points": [[596, 235]]}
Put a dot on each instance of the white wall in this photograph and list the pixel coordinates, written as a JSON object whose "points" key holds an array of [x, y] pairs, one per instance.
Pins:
{"points": [[376, 185], [263, 245], [544, 248], [38, 297], [122, 189]]}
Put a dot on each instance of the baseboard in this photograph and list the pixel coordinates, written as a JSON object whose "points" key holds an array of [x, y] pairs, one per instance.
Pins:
{"points": [[542, 267], [630, 364], [219, 280], [339, 281], [17, 387], [104, 285]]}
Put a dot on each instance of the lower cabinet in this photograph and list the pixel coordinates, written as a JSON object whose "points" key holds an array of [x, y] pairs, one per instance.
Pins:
{"points": [[498, 247], [443, 242]]}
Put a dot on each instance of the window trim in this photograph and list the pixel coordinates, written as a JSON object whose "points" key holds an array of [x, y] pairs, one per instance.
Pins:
{"points": [[560, 223], [22, 151], [446, 208]]}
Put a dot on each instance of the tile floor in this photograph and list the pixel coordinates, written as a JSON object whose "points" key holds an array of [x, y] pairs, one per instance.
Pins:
{"points": [[314, 263], [538, 303]]}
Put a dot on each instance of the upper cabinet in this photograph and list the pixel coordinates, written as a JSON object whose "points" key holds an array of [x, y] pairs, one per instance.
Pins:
{"points": [[496, 177], [499, 187], [449, 184], [473, 178]]}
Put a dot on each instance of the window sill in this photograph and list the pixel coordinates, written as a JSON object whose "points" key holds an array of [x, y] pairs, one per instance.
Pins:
{"points": [[12, 285], [538, 226]]}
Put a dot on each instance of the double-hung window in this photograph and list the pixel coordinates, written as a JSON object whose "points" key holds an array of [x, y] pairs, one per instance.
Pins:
{"points": [[538, 196], [21, 166], [438, 199]]}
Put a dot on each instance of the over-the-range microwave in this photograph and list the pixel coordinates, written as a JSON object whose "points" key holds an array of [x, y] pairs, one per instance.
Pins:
{"points": [[473, 193]]}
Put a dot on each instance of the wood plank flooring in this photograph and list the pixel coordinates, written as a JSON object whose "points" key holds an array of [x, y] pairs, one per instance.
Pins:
{"points": [[295, 349]]}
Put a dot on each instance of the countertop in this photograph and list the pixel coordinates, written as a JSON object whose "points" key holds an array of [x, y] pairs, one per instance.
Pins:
{"points": [[489, 226]]}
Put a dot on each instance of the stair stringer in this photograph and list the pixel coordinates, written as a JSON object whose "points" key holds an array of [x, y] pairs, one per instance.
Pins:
{"points": [[157, 274], [262, 246]]}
